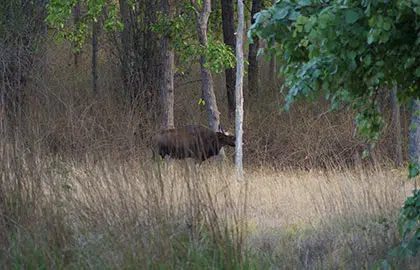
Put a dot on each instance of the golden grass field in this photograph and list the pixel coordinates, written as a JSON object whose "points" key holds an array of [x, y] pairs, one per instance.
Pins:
{"points": [[64, 214]]}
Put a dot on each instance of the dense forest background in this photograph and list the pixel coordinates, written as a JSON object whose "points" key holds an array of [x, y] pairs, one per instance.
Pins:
{"points": [[101, 92]]}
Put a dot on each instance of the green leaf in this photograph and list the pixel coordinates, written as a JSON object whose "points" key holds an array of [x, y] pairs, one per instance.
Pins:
{"points": [[387, 25], [304, 3], [294, 15], [380, 63], [413, 170], [352, 15], [351, 55], [201, 102], [316, 74], [384, 37], [371, 38], [367, 60], [280, 14]]}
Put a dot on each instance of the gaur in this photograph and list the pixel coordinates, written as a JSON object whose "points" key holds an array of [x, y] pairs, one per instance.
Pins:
{"points": [[192, 141]]}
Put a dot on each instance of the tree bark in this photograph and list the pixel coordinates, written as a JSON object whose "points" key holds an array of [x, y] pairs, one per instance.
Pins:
{"points": [[272, 74], [414, 147], [253, 70], [396, 123], [77, 14], [168, 72], [209, 97], [239, 90], [126, 43], [95, 33], [228, 20]]}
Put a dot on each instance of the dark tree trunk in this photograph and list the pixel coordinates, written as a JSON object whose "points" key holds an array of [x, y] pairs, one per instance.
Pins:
{"points": [[77, 14], [228, 19], [253, 69], [414, 147], [396, 124], [125, 55], [141, 56], [21, 35]]}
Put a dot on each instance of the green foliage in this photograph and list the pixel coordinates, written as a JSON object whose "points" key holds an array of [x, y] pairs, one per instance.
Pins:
{"points": [[348, 49], [182, 30], [408, 231], [409, 227], [413, 170], [60, 14]]}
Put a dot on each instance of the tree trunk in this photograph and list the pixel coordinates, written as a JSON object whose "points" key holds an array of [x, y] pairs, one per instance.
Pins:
{"points": [[95, 33], [239, 90], [126, 43], [272, 74], [253, 70], [414, 147], [396, 123], [77, 14], [206, 77], [168, 72], [228, 20]]}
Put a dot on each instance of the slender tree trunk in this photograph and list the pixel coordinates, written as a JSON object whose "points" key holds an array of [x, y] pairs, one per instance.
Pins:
{"points": [[272, 73], [206, 77], [228, 20], [253, 70], [126, 43], [414, 147], [77, 14], [239, 90], [95, 33], [168, 72], [396, 123]]}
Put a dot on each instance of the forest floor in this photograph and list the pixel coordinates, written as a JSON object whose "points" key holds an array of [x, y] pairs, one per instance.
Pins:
{"points": [[104, 214]]}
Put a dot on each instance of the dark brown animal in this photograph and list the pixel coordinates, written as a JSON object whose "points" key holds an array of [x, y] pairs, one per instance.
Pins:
{"points": [[192, 141]]}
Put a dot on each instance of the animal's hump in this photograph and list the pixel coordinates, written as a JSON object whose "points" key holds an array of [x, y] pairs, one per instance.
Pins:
{"points": [[197, 130]]}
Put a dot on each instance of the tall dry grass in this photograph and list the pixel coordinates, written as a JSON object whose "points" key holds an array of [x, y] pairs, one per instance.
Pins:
{"points": [[70, 214], [326, 220], [137, 214]]}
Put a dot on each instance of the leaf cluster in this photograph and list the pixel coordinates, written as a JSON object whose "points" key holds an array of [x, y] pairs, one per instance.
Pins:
{"points": [[183, 33], [347, 50], [60, 14], [409, 227]]}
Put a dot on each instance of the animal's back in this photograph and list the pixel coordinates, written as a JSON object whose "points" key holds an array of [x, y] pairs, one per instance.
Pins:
{"points": [[174, 143]]}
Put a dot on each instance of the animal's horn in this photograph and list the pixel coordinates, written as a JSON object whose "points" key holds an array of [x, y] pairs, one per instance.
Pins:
{"points": [[221, 129]]}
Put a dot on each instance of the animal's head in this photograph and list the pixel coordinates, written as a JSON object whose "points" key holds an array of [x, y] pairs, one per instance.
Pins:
{"points": [[225, 138]]}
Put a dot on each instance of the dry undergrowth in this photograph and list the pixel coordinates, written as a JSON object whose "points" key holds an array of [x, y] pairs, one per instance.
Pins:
{"points": [[112, 214]]}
